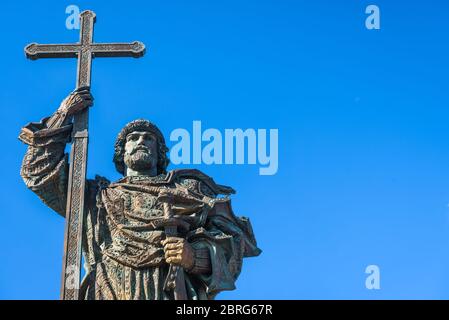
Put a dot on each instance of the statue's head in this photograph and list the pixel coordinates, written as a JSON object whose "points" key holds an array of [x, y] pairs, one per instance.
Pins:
{"points": [[140, 146]]}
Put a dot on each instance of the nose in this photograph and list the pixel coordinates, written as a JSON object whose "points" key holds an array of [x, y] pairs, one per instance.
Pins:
{"points": [[141, 140]]}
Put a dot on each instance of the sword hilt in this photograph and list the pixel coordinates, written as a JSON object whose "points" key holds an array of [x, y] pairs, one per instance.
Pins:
{"points": [[175, 276]]}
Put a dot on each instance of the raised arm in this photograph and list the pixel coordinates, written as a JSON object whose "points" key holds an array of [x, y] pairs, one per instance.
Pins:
{"points": [[45, 165]]}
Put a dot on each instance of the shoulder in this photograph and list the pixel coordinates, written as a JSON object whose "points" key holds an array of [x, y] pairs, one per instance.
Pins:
{"points": [[94, 188], [97, 184], [199, 182]]}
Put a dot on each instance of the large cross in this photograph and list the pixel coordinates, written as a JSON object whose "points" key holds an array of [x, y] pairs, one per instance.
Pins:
{"points": [[84, 50]]}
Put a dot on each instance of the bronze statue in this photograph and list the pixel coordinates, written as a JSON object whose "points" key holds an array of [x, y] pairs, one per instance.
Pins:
{"points": [[152, 234]]}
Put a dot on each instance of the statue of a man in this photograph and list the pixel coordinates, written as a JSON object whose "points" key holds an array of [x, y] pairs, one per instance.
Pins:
{"points": [[126, 248]]}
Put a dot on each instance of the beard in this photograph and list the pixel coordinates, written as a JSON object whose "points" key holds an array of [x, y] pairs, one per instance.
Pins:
{"points": [[139, 160]]}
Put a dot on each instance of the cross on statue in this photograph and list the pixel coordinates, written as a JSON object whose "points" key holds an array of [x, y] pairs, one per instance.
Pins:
{"points": [[84, 51]]}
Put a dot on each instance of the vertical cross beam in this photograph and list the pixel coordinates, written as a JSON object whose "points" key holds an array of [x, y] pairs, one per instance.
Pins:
{"points": [[75, 207], [84, 50], [85, 55]]}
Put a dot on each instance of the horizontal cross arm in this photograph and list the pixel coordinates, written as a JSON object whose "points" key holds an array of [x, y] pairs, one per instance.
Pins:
{"points": [[134, 49], [35, 51]]}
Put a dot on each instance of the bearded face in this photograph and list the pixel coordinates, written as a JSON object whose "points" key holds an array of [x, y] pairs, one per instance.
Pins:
{"points": [[141, 151]]}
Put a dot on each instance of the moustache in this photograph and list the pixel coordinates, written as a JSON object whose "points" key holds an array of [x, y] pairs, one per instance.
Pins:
{"points": [[141, 149]]}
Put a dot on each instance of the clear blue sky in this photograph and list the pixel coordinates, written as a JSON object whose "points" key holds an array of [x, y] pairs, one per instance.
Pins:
{"points": [[363, 119]]}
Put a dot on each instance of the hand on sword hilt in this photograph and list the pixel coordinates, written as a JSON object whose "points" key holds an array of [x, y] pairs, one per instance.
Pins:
{"points": [[178, 252]]}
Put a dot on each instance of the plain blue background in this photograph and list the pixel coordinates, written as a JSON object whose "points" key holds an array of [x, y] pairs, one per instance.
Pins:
{"points": [[363, 119]]}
